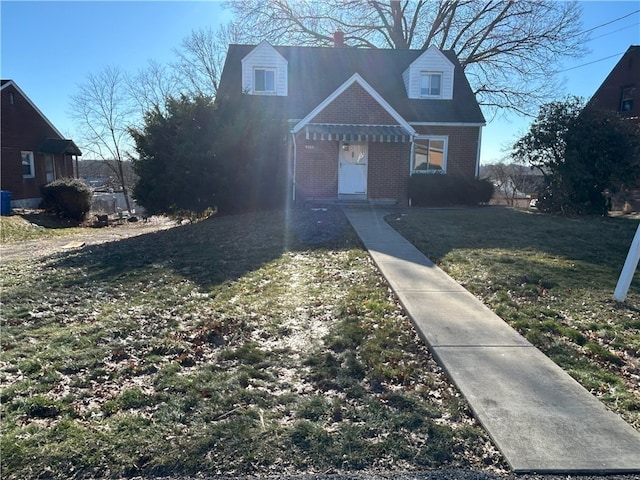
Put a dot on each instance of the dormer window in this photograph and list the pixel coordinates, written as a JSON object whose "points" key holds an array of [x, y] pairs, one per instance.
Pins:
{"points": [[264, 80], [430, 84], [265, 72]]}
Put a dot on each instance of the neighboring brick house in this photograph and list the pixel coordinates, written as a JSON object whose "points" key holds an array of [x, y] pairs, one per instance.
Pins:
{"points": [[361, 121], [620, 91], [34, 152]]}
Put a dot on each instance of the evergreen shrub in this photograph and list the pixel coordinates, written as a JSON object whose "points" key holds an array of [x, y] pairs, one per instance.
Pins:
{"points": [[439, 190], [67, 197]]}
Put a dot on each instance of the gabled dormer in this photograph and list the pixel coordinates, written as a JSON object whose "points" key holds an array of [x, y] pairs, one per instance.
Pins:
{"points": [[430, 76], [264, 72]]}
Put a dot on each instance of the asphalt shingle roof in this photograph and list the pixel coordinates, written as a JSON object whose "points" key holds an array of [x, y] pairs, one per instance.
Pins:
{"points": [[315, 72], [58, 146]]}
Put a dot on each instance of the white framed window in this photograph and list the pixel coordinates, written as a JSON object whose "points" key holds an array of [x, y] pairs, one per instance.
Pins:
{"points": [[28, 166], [264, 80], [430, 84], [429, 155]]}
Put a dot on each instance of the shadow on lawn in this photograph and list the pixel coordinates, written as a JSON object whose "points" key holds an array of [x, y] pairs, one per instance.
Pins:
{"points": [[215, 250], [596, 240], [46, 220]]}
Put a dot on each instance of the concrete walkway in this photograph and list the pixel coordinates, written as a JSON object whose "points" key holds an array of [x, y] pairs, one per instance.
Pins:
{"points": [[539, 417]]}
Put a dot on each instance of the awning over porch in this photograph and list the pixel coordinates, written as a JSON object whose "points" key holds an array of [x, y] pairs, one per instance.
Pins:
{"points": [[356, 133], [59, 146]]}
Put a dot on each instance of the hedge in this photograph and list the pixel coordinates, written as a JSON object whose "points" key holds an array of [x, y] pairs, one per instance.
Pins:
{"points": [[438, 190], [67, 197]]}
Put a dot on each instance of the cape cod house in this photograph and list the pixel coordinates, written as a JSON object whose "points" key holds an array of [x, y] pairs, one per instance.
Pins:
{"points": [[360, 121], [34, 152]]}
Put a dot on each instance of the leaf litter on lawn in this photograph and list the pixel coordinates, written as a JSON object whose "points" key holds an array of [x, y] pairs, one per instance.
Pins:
{"points": [[261, 343], [552, 278]]}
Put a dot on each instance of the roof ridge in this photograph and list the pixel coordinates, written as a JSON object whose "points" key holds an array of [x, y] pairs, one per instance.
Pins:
{"points": [[345, 48]]}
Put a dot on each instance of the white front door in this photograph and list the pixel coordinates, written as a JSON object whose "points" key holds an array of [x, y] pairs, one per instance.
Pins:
{"points": [[352, 168]]}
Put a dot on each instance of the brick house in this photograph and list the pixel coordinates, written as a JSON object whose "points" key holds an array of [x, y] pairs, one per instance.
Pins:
{"points": [[620, 91], [34, 152], [360, 121]]}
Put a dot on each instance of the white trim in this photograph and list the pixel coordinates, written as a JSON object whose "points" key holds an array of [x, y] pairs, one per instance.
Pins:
{"points": [[33, 105], [263, 42], [342, 176], [424, 64], [428, 73], [449, 124], [32, 163], [280, 64], [355, 78], [433, 48], [275, 81], [445, 153]]}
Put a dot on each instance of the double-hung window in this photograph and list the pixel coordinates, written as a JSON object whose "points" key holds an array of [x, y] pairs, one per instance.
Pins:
{"points": [[626, 102], [28, 167], [430, 84], [429, 155], [264, 80]]}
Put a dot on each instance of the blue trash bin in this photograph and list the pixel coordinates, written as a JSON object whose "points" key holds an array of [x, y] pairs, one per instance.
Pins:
{"points": [[5, 202]]}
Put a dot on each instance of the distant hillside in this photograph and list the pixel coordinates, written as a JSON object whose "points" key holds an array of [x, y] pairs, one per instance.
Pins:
{"points": [[101, 173]]}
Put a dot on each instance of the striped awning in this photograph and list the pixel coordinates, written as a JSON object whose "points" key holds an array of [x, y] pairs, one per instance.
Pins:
{"points": [[356, 133]]}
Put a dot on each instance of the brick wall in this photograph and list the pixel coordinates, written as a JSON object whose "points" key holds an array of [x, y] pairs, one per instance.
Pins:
{"points": [[317, 161], [626, 73], [389, 163], [23, 129], [316, 169], [355, 105], [462, 149], [388, 173]]}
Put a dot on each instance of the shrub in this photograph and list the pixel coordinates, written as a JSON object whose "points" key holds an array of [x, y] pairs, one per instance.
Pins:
{"points": [[439, 190], [194, 156], [67, 197]]}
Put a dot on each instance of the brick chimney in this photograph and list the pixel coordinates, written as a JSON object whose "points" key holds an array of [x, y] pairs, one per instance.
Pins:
{"points": [[338, 38]]}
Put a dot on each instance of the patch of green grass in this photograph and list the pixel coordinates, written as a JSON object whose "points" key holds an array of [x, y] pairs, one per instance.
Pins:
{"points": [[261, 343], [17, 228], [551, 278]]}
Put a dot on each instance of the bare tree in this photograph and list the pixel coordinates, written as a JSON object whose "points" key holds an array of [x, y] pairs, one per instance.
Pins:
{"points": [[512, 181], [151, 85], [201, 58], [103, 111], [509, 49]]}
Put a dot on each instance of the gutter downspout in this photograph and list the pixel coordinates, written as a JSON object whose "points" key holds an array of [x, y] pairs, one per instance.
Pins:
{"points": [[295, 158], [413, 148], [478, 154]]}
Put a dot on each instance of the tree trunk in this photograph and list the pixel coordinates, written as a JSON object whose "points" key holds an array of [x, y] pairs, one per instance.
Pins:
{"points": [[397, 32], [124, 186]]}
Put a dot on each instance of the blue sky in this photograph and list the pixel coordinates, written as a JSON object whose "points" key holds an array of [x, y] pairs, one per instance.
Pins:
{"points": [[49, 47]]}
